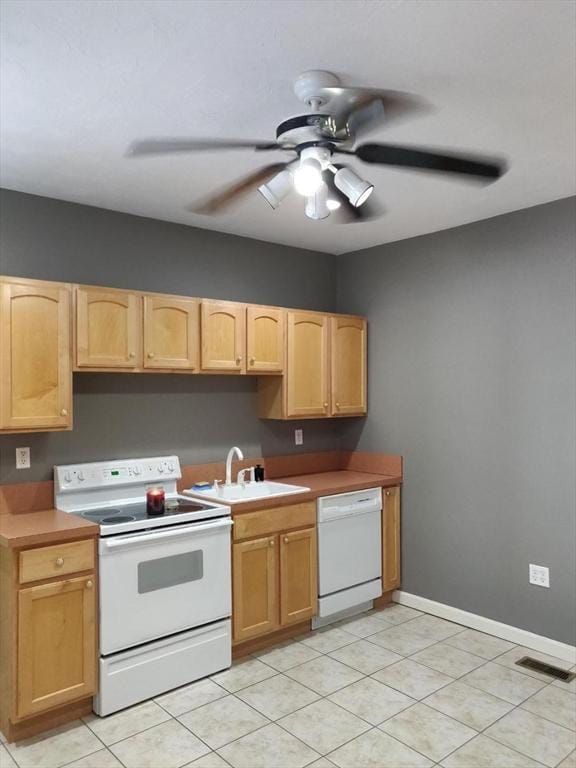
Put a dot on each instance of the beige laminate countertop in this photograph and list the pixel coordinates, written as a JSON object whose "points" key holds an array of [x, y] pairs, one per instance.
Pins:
{"points": [[321, 484], [27, 529]]}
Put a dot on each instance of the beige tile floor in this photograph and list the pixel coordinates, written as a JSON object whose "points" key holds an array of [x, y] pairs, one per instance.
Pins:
{"points": [[392, 688]]}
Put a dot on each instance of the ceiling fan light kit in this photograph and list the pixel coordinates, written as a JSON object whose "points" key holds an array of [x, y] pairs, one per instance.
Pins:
{"points": [[316, 137]]}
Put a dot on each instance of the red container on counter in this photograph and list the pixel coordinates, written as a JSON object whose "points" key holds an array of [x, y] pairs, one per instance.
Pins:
{"points": [[155, 498]]}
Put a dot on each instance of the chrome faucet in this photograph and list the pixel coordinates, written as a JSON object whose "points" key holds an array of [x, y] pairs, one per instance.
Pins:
{"points": [[231, 452]]}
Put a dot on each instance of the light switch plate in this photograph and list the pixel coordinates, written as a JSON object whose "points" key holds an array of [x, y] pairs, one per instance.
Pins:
{"points": [[298, 437], [539, 575], [22, 458]]}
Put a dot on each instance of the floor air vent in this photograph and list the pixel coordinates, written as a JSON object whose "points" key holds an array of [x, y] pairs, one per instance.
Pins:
{"points": [[546, 669]]}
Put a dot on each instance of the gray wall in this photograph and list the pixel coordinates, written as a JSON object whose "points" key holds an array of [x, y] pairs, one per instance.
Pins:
{"points": [[472, 379], [196, 417]]}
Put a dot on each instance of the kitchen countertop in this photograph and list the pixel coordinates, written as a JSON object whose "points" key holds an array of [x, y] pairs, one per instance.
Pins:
{"points": [[51, 525], [27, 529], [320, 484]]}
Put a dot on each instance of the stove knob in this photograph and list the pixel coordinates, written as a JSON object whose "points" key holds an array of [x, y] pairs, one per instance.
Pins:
{"points": [[67, 477], [160, 468], [81, 476], [136, 469], [171, 467]]}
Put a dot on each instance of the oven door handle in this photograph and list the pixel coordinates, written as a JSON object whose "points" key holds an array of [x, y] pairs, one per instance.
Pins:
{"points": [[136, 539]]}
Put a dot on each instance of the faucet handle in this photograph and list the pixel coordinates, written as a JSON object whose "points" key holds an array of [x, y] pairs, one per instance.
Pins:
{"points": [[216, 485]]}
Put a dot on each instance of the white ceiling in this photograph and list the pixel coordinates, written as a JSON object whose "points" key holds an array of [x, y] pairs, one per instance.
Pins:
{"points": [[81, 80]]}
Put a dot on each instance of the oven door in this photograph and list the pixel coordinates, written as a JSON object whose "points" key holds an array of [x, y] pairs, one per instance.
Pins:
{"points": [[156, 583]]}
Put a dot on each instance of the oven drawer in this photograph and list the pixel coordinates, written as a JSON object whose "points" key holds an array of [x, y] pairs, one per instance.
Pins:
{"points": [[58, 560]]}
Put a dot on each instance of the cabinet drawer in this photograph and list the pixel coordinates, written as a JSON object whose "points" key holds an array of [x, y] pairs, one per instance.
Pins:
{"points": [[269, 521], [46, 562]]}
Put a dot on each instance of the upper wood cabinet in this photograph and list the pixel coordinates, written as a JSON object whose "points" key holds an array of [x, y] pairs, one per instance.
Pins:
{"points": [[325, 369], [348, 366], [56, 644], [307, 384], [391, 539], [171, 333], [223, 333], [265, 339], [108, 328], [35, 366]]}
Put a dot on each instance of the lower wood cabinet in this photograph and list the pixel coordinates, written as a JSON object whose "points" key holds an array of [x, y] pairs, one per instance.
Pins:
{"points": [[56, 644], [391, 539], [298, 576], [274, 576], [48, 636]]}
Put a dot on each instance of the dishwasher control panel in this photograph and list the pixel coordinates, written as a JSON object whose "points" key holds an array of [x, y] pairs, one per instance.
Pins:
{"points": [[347, 504]]}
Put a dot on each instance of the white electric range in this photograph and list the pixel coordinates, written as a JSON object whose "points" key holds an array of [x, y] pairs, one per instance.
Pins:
{"points": [[165, 580]]}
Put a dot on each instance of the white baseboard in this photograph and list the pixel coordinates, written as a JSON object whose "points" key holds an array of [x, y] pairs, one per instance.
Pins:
{"points": [[489, 626]]}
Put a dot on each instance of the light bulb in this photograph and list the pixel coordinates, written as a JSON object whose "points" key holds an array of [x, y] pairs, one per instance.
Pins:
{"points": [[275, 190], [308, 177], [356, 189], [316, 205], [332, 204]]}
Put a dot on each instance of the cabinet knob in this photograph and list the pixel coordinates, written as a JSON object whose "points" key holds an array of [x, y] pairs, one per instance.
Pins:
{"points": [[238, 360], [150, 355], [271, 542], [64, 412], [252, 360], [286, 539], [338, 405], [387, 493], [325, 405], [59, 562], [89, 584], [131, 354]]}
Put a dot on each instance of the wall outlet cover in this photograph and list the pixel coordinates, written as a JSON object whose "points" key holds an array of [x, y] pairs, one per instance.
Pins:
{"points": [[539, 575], [22, 458], [298, 437]]}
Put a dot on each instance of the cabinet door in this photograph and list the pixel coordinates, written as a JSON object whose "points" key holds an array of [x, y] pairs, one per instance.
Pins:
{"points": [[348, 374], [255, 587], [56, 644], [108, 327], [298, 576], [265, 339], [223, 331], [170, 333], [35, 370], [307, 361], [391, 539]]}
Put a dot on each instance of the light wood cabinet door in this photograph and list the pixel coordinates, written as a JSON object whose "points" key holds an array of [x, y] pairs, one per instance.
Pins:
{"points": [[307, 365], [223, 333], [108, 329], [298, 576], [391, 539], [35, 365], [255, 587], [348, 369], [56, 644], [171, 330], [265, 339]]}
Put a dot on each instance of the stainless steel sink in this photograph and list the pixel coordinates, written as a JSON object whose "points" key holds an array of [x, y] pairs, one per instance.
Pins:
{"points": [[237, 493]]}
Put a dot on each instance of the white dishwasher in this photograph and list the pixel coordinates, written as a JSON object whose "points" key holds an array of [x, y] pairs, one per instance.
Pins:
{"points": [[349, 551]]}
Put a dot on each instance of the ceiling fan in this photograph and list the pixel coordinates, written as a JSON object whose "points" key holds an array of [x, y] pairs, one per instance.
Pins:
{"points": [[338, 117]]}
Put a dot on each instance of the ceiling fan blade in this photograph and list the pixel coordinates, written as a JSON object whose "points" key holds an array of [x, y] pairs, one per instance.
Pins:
{"points": [[348, 213], [485, 168], [357, 110], [234, 192], [172, 146]]}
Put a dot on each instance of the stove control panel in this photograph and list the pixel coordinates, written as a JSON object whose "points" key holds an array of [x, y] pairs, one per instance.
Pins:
{"points": [[108, 474]]}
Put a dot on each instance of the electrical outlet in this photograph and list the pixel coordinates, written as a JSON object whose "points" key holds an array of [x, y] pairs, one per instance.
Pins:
{"points": [[539, 575], [22, 458], [298, 437]]}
